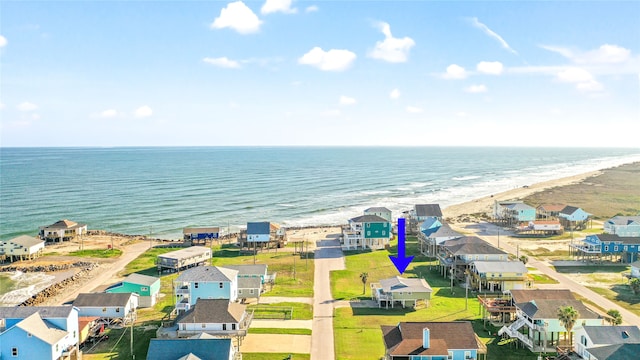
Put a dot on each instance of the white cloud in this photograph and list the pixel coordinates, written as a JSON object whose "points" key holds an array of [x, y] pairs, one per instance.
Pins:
{"points": [[332, 60], [346, 100], [108, 113], [143, 112], [238, 17], [222, 62], [559, 50], [3, 41], [394, 50], [27, 106], [413, 109], [311, 8], [273, 6], [394, 94], [491, 33], [455, 72], [582, 78], [490, 67], [476, 89], [605, 54]]}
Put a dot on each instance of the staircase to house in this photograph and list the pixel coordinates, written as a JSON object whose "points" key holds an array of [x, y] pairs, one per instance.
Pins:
{"points": [[512, 332]]}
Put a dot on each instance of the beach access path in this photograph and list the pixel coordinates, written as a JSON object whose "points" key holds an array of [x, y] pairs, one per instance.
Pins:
{"points": [[489, 232], [328, 257]]}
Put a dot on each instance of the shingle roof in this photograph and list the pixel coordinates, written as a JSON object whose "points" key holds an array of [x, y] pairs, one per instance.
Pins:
{"points": [[46, 312], [141, 279], [249, 283], [205, 349], [522, 296], [102, 299], [568, 210], [444, 231], [406, 337], [257, 228], [213, 311], [463, 240], [616, 238], [377, 209], [26, 241], [552, 207], [369, 219], [483, 248], [519, 206], [609, 335], [208, 273], [190, 356], [41, 329], [64, 224], [624, 220], [499, 266], [548, 309], [616, 352], [250, 269], [428, 210], [400, 284]]}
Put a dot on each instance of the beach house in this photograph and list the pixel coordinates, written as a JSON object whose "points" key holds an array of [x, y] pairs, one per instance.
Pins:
{"points": [[549, 211], [383, 212], [216, 317], [184, 258], [407, 292], [455, 256], [512, 213], [627, 226], [22, 248], [498, 275], [147, 288], [430, 236], [612, 247], [591, 337], [118, 307], [537, 325], [420, 213], [39, 332], [205, 282], [573, 218], [200, 234], [197, 348], [453, 340], [62, 230], [252, 279], [366, 232]]}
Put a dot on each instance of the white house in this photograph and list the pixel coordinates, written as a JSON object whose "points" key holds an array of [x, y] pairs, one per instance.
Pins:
{"points": [[22, 247], [110, 306], [217, 317], [62, 230], [590, 337], [383, 212]]}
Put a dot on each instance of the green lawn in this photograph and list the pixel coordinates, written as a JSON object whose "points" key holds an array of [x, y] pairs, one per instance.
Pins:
{"points": [[300, 311], [97, 253], [510, 351], [590, 269], [119, 344], [622, 295], [280, 331], [274, 356], [542, 279], [146, 262]]}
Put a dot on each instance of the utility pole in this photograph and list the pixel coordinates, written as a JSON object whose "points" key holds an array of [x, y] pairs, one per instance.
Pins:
{"points": [[133, 356], [498, 238], [466, 292], [150, 239], [294, 266]]}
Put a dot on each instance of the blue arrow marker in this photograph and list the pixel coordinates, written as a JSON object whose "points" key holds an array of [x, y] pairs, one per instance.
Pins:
{"points": [[401, 262]]}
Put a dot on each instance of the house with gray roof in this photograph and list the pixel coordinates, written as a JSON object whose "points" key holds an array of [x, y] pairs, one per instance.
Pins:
{"points": [[147, 288], [625, 226], [456, 255], [433, 233], [411, 292], [183, 258], [573, 218], [590, 337], [192, 349], [38, 332], [614, 352], [419, 214], [22, 247], [205, 282], [383, 212], [108, 306], [216, 317], [366, 232], [498, 275]]}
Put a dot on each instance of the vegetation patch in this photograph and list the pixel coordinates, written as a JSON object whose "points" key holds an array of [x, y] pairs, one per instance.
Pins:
{"points": [[542, 279], [118, 346], [284, 310], [97, 253], [275, 356]]}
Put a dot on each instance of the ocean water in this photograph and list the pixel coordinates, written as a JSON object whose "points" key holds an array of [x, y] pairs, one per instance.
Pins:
{"points": [[16, 287], [159, 191]]}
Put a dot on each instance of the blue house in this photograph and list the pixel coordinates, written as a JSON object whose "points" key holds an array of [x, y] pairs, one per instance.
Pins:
{"points": [[513, 212], [608, 246], [259, 231], [623, 226], [430, 225], [205, 282], [572, 217], [203, 348], [453, 340], [38, 332]]}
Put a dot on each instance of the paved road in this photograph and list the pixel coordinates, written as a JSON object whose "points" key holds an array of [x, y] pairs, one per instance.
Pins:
{"points": [[489, 232], [328, 257]]}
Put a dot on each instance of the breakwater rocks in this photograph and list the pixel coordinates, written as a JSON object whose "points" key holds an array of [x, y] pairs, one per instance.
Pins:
{"points": [[57, 288], [50, 267]]}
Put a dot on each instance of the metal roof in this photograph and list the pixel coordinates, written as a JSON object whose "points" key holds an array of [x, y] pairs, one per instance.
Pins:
{"points": [[208, 273]]}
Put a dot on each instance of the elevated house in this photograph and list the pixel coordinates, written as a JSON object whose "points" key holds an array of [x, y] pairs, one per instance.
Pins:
{"points": [[116, 307], [216, 317], [498, 275], [262, 234], [420, 213], [62, 230], [22, 248], [453, 340], [200, 234], [512, 213], [252, 279], [549, 211], [537, 326], [39, 332], [382, 212], [626, 226], [455, 256], [197, 348], [592, 337], [541, 227], [411, 292], [430, 237], [366, 232], [574, 218], [147, 288], [183, 258], [600, 247], [205, 282]]}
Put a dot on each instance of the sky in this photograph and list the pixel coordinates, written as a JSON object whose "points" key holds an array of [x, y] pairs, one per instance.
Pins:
{"points": [[319, 73]]}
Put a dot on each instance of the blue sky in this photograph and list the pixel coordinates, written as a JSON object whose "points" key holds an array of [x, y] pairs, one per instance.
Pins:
{"points": [[278, 72]]}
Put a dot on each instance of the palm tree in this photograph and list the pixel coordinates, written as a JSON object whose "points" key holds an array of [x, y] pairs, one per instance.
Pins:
{"points": [[364, 276], [615, 318], [568, 317], [635, 285]]}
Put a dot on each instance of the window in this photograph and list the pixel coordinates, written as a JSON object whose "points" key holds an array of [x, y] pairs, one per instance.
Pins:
{"points": [[583, 340], [615, 248], [14, 351], [57, 347], [204, 325], [368, 225], [224, 327], [117, 309], [195, 285], [29, 335], [450, 357], [221, 285], [104, 310], [606, 248], [368, 233], [251, 291], [467, 354], [233, 326], [384, 233], [144, 288]]}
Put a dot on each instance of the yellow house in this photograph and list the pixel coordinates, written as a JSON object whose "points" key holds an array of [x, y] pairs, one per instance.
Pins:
{"points": [[498, 275]]}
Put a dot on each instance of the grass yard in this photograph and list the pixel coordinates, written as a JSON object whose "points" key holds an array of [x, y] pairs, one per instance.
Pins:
{"points": [[299, 311], [119, 344], [509, 351], [98, 253], [546, 253], [591, 269], [275, 356], [279, 331], [146, 263], [622, 295], [542, 279]]}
